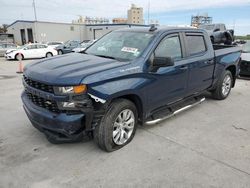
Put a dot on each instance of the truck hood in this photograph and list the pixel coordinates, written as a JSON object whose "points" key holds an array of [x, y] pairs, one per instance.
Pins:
{"points": [[69, 69]]}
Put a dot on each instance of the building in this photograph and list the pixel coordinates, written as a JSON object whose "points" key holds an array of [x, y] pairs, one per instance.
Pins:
{"points": [[135, 15], [119, 20], [90, 20], [25, 31], [201, 19]]}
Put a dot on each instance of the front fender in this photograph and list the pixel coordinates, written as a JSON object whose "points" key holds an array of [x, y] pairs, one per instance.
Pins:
{"points": [[116, 88]]}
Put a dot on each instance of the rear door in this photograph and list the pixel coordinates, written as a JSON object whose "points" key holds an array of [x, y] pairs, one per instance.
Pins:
{"points": [[170, 83], [41, 50], [201, 58]]}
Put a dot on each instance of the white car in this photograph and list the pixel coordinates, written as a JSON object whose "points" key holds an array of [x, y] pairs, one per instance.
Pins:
{"points": [[30, 51]]}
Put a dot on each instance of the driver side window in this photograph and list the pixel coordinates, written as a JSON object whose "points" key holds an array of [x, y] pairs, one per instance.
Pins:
{"points": [[169, 47]]}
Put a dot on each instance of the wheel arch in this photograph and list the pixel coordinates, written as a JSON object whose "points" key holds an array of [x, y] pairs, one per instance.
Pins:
{"points": [[137, 101]]}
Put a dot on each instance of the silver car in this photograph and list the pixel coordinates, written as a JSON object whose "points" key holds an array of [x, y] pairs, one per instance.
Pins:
{"points": [[6, 46]]}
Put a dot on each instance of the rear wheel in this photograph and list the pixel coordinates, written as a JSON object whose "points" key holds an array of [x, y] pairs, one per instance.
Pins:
{"points": [[224, 86], [118, 126], [49, 54]]}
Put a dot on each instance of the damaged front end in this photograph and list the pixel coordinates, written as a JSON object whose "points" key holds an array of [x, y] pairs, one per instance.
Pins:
{"points": [[61, 117]]}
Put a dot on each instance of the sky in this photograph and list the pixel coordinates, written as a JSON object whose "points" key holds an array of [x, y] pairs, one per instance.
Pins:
{"points": [[234, 13]]}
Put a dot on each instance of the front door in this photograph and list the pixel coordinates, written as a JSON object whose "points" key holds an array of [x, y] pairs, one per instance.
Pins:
{"points": [[169, 83]]}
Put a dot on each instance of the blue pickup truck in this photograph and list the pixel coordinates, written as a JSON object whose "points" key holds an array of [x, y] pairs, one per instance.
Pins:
{"points": [[128, 77]]}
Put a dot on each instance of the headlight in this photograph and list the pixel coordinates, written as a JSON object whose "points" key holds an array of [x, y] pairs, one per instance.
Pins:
{"points": [[71, 89]]}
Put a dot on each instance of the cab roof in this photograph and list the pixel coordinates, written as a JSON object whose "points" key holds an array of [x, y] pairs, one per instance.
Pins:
{"points": [[160, 29]]}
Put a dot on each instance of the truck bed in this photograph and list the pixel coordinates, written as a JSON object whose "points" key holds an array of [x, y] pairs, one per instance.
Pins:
{"points": [[225, 49]]}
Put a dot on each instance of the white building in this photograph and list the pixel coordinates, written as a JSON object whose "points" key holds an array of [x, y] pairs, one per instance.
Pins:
{"points": [[25, 31]]}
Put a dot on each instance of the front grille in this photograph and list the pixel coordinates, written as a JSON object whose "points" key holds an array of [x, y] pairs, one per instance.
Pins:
{"points": [[38, 85], [43, 103]]}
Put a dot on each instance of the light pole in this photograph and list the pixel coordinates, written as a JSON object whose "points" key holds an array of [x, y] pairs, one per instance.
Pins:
{"points": [[35, 32], [34, 7]]}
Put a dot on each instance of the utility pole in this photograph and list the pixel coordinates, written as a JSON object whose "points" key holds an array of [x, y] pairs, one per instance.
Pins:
{"points": [[148, 11], [35, 32], [34, 7]]}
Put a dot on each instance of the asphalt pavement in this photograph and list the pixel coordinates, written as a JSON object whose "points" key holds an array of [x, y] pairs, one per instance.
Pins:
{"points": [[206, 146]]}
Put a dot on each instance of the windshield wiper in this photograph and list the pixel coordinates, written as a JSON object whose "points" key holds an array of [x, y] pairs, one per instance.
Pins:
{"points": [[106, 56]]}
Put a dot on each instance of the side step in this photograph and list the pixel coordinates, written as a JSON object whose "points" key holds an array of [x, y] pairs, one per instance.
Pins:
{"points": [[175, 112]]}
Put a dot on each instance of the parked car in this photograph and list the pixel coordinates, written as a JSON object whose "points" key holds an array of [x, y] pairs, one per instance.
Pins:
{"points": [[83, 46], [67, 47], [128, 77], [27, 51], [245, 60], [54, 44], [218, 33], [6, 46]]}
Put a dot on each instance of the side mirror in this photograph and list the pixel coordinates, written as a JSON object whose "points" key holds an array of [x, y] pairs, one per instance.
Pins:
{"points": [[215, 30], [163, 61]]}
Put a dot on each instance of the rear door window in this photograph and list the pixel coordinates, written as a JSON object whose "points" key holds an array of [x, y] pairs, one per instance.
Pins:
{"points": [[195, 44], [41, 46]]}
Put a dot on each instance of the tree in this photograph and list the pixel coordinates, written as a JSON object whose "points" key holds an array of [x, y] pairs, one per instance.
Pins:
{"points": [[3, 28]]}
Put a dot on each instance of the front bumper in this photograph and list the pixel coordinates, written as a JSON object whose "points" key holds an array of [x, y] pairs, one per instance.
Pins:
{"points": [[57, 127], [7, 56]]}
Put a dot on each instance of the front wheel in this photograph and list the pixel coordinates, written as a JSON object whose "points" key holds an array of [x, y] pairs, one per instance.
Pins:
{"points": [[224, 86], [60, 52], [118, 125]]}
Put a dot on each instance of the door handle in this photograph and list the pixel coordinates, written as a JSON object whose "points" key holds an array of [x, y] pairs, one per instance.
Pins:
{"points": [[184, 67], [209, 62]]}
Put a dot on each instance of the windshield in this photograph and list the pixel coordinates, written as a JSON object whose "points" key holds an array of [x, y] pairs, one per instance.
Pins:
{"points": [[21, 47], [123, 46], [246, 47], [207, 27]]}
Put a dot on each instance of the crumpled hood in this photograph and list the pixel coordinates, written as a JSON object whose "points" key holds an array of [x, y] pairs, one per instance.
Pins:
{"points": [[68, 69]]}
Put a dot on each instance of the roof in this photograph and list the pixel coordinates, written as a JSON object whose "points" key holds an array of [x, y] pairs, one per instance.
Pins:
{"points": [[159, 29], [25, 21]]}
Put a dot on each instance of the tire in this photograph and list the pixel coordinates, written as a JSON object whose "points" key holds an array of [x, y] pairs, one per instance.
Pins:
{"points": [[49, 54], [17, 57], [109, 134], [212, 39], [60, 52], [223, 87], [229, 38]]}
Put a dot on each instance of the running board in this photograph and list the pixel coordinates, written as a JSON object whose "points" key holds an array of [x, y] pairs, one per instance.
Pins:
{"points": [[175, 112]]}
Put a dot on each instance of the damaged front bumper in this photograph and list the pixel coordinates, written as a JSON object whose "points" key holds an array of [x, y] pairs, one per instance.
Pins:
{"points": [[61, 127]]}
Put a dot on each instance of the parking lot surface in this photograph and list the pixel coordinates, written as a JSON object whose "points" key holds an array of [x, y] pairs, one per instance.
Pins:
{"points": [[206, 146]]}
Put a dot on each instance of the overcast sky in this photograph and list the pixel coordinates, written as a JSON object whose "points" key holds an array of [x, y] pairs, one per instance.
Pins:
{"points": [[235, 13]]}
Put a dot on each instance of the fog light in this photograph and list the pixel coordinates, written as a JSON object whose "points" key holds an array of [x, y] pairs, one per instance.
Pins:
{"points": [[68, 105]]}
